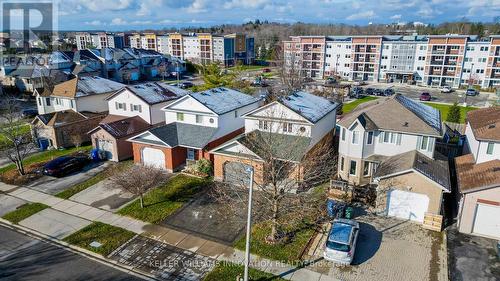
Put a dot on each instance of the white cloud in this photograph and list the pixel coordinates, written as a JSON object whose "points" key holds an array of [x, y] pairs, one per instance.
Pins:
{"points": [[198, 6], [106, 5], [119, 21], [95, 23], [396, 17], [361, 15], [246, 4]]}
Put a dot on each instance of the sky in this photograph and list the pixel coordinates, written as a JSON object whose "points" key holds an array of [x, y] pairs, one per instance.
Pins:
{"points": [[116, 15]]}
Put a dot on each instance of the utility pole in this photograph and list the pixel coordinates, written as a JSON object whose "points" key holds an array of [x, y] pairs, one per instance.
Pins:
{"points": [[249, 225]]}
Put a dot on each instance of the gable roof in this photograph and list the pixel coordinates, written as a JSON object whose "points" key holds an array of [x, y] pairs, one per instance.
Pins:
{"points": [[179, 134], [397, 113], [222, 100], [485, 123], [124, 127], [154, 92], [434, 169], [472, 176], [309, 106], [86, 86], [58, 118]]}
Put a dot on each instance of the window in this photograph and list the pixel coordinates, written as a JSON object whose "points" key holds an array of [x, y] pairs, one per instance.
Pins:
{"points": [[343, 134], [190, 154], [342, 163], [47, 101], [236, 114], [211, 120], [120, 105], [489, 149], [180, 116], [355, 137], [39, 101], [135, 107], [287, 127], [369, 138], [425, 143], [71, 102], [352, 169], [387, 137], [199, 119], [366, 169], [262, 125]]}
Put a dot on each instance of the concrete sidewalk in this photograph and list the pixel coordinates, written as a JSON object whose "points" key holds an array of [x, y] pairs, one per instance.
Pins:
{"points": [[163, 234]]}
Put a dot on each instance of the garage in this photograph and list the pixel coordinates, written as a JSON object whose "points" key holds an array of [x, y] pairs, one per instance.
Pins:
{"points": [[236, 173], [153, 157], [487, 220], [106, 146], [407, 205]]}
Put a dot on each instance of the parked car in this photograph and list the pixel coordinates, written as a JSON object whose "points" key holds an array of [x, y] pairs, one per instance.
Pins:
{"points": [[266, 70], [330, 81], [389, 92], [29, 112], [185, 85], [357, 92], [369, 91], [65, 165], [446, 89], [378, 92], [341, 242], [472, 92], [425, 96]]}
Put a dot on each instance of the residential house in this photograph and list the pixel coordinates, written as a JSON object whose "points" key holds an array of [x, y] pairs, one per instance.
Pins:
{"points": [[64, 128], [111, 135], [80, 93], [478, 174], [144, 100], [297, 124], [194, 124], [390, 143]]}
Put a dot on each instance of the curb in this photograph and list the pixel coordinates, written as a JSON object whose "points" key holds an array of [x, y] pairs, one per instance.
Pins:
{"points": [[78, 250]]}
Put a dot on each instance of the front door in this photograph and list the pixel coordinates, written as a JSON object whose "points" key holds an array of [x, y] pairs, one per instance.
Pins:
{"points": [[190, 154]]}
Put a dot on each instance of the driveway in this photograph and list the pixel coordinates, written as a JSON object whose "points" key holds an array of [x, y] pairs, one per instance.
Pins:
{"points": [[104, 195], [472, 257], [206, 218], [53, 185], [164, 261], [54, 223], [390, 249], [9, 204]]}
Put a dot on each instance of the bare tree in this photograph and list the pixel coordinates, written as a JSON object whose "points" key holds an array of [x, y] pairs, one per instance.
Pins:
{"points": [[289, 65], [76, 135], [285, 169], [16, 142], [138, 179]]}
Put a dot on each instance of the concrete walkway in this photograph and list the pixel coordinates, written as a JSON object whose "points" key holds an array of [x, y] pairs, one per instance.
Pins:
{"points": [[163, 234]]}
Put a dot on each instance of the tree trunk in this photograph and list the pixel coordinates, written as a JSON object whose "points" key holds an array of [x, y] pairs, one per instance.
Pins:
{"points": [[19, 162], [142, 201]]}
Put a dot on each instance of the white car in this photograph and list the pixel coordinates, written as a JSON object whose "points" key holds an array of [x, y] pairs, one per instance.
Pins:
{"points": [[446, 89], [341, 242]]}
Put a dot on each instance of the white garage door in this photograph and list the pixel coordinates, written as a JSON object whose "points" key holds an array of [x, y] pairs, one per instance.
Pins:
{"points": [[105, 146], [153, 157], [407, 205], [487, 220]]}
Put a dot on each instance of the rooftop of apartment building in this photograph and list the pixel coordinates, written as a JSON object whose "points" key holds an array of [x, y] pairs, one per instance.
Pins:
{"points": [[414, 37]]}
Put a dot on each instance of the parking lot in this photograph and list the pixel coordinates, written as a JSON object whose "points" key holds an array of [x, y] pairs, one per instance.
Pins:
{"points": [[390, 249]]}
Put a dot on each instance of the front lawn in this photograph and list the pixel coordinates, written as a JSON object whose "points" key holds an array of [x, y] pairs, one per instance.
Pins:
{"points": [[24, 211], [348, 107], [111, 237], [287, 251], [24, 128], [248, 67], [229, 271], [162, 201], [115, 168], [445, 108], [46, 156]]}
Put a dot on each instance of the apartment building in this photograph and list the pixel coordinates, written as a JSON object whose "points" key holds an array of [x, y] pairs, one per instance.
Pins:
{"points": [[97, 40], [434, 60]]}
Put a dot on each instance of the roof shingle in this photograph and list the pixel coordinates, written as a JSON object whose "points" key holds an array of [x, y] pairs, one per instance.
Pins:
{"points": [[472, 176], [485, 123]]}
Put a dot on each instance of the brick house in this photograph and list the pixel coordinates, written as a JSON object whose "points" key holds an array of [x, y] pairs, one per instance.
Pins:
{"points": [[194, 124]]}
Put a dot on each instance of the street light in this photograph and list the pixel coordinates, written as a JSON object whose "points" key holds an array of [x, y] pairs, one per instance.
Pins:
{"points": [[249, 224]]}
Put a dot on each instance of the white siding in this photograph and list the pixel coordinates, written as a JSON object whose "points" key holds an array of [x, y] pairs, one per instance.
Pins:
{"points": [[472, 143], [94, 103], [483, 157], [323, 126]]}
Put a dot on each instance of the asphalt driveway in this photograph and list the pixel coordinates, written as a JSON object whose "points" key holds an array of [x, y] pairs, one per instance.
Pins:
{"points": [[53, 185], [472, 257], [104, 195]]}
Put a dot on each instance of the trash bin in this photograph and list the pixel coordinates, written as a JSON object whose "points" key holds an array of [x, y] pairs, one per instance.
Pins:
{"points": [[349, 212]]}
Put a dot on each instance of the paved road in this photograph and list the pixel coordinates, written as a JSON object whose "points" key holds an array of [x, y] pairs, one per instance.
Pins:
{"points": [[26, 258]]}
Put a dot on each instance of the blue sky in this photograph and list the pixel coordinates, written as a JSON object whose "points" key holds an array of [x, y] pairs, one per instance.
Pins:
{"points": [[133, 14]]}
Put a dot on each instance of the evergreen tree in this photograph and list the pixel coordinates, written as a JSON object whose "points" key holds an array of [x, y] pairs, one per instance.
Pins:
{"points": [[454, 114]]}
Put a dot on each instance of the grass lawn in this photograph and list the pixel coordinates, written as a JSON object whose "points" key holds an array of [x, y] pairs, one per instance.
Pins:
{"points": [[249, 67], [65, 194], [111, 237], [445, 108], [348, 107], [229, 271], [46, 156], [286, 252], [24, 211], [24, 128], [162, 201]]}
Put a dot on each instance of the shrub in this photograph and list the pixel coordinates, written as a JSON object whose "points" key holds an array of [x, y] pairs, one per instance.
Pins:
{"points": [[454, 114], [203, 166]]}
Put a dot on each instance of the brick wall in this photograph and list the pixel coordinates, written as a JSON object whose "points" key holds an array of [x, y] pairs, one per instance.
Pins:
{"points": [[221, 160], [175, 157]]}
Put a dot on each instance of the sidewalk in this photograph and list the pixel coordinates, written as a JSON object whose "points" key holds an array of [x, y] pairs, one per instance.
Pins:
{"points": [[162, 234]]}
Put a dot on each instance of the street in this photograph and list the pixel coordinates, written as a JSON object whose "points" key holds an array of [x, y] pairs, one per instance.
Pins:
{"points": [[26, 258]]}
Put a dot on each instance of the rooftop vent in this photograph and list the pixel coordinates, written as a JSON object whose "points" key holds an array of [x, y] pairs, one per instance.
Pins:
{"points": [[496, 169], [405, 124], [491, 126]]}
